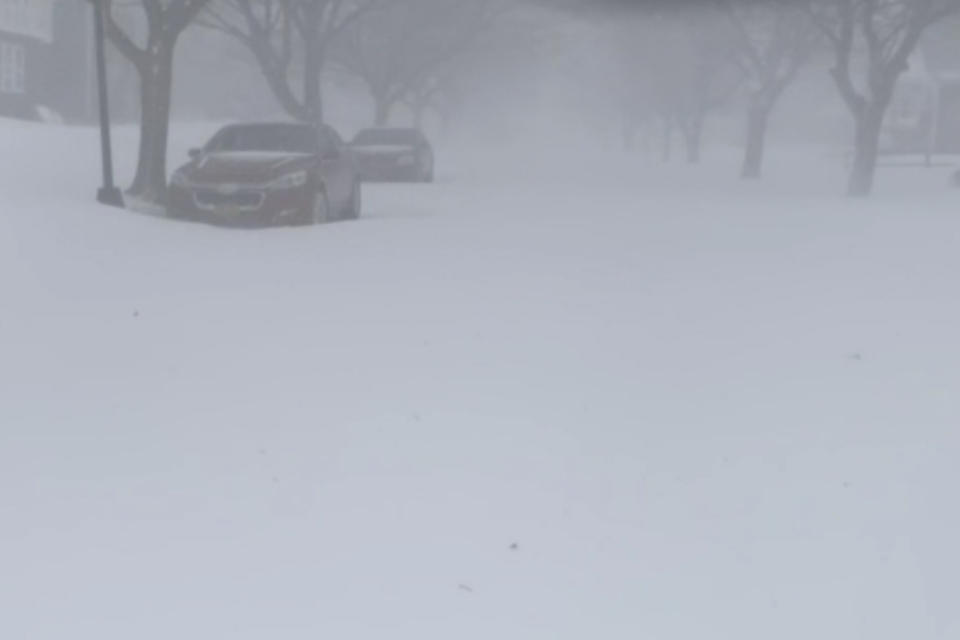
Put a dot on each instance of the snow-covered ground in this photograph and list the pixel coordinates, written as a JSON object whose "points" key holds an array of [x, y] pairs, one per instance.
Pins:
{"points": [[562, 396]]}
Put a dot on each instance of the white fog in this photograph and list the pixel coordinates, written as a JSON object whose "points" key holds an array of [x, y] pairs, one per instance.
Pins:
{"points": [[479, 319]]}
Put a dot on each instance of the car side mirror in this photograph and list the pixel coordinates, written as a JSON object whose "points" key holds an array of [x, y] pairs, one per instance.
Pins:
{"points": [[195, 153]]}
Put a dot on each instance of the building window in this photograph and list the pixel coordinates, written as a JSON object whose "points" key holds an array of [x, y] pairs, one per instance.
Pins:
{"points": [[13, 68]]}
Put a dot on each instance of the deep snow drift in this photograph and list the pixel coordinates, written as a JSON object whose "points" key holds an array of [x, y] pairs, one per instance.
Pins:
{"points": [[568, 395]]}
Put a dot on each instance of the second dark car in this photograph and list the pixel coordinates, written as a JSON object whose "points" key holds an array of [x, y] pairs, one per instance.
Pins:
{"points": [[268, 174], [393, 154]]}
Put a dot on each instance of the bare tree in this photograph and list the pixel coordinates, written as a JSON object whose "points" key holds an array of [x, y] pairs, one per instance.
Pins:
{"points": [[873, 41], [709, 78], [152, 57], [290, 40], [408, 50], [774, 40], [439, 92], [683, 62]]}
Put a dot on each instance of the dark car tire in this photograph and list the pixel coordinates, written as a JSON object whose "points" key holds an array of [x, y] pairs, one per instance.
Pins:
{"points": [[319, 211]]}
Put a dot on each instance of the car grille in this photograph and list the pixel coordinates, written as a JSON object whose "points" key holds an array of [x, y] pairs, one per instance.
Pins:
{"points": [[217, 199]]}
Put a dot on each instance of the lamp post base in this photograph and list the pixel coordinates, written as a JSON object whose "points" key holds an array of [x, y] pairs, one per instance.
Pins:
{"points": [[110, 196]]}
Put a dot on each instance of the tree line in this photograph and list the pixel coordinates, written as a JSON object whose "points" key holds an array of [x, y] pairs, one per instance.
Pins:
{"points": [[408, 52], [404, 51], [706, 50]]}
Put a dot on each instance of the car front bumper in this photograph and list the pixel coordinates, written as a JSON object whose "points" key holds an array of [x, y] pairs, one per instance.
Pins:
{"points": [[237, 205]]}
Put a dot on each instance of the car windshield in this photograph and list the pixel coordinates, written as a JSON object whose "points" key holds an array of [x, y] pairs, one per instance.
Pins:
{"points": [[387, 137], [290, 138]]}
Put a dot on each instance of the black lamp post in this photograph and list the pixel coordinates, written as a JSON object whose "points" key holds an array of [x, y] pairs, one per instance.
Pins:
{"points": [[108, 193]]}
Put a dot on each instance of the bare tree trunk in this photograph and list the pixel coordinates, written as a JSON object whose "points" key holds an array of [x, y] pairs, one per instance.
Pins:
{"points": [[156, 87], [890, 33], [758, 117], [154, 65], [312, 88], [869, 123], [279, 84], [314, 111], [312, 98]]}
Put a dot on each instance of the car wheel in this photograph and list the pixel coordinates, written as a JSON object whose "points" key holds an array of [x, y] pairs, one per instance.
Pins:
{"points": [[355, 206], [322, 212]]}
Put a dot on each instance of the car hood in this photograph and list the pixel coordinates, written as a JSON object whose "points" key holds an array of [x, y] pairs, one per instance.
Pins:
{"points": [[246, 166]]}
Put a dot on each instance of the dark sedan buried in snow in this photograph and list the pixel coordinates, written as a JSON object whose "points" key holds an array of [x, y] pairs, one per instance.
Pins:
{"points": [[268, 174], [393, 154]]}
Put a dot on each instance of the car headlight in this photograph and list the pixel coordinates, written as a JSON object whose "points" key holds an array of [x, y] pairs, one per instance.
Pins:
{"points": [[289, 181], [179, 179]]}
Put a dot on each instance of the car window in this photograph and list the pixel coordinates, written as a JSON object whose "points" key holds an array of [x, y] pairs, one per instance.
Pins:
{"points": [[266, 137]]}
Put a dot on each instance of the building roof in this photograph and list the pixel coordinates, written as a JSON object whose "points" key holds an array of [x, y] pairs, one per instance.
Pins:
{"points": [[29, 18]]}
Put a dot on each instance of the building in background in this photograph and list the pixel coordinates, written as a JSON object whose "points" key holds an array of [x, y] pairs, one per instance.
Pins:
{"points": [[45, 62], [924, 117]]}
